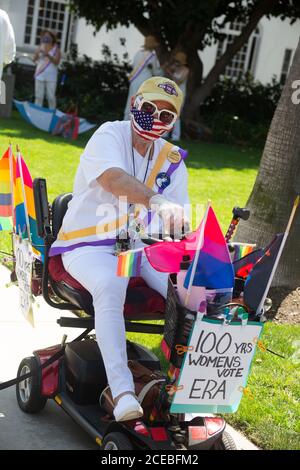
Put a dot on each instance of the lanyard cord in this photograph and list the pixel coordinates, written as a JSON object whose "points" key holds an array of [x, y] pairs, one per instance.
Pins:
{"points": [[148, 162], [149, 157]]}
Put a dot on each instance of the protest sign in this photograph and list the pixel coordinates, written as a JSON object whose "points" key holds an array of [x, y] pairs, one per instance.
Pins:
{"points": [[24, 260], [216, 367]]}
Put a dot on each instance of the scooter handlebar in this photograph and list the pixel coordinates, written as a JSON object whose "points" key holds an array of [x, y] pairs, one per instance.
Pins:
{"points": [[159, 239], [241, 213]]}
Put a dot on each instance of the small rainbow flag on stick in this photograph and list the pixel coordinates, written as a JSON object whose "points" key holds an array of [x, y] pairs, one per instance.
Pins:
{"points": [[242, 249], [129, 263]]}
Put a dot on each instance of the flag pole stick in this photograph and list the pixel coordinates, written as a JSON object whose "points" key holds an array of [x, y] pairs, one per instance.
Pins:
{"points": [[197, 254], [260, 307], [23, 192], [11, 174], [10, 159]]}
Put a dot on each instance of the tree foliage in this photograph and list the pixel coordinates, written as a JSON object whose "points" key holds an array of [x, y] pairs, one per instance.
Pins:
{"points": [[188, 26], [170, 20]]}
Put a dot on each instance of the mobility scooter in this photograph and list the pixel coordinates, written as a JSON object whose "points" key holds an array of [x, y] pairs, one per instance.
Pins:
{"points": [[73, 373]]}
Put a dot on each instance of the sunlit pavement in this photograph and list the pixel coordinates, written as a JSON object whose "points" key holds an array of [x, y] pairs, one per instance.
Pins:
{"points": [[52, 428]]}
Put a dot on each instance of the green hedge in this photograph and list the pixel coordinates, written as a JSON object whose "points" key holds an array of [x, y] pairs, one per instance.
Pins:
{"points": [[237, 111], [240, 111]]}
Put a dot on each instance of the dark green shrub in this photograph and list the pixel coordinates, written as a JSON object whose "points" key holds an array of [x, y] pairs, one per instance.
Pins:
{"points": [[240, 111]]}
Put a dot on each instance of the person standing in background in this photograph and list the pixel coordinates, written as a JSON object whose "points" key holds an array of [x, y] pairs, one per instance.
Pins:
{"points": [[7, 42], [47, 57], [178, 71], [145, 65]]}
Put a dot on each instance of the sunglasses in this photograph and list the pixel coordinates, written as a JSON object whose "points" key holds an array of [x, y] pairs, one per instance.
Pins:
{"points": [[164, 115]]}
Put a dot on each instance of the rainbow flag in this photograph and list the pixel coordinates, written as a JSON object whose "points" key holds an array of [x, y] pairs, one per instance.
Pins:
{"points": [[129, 263], [20, 222], [25, 210], [241, 250], [214, 269], [5, 193]]}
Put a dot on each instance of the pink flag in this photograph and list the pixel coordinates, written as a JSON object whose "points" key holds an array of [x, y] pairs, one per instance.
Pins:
{"points": [[167, 256]]}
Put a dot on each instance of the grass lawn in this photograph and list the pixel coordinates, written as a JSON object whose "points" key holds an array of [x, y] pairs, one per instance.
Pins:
{"points": [[224, 174]]}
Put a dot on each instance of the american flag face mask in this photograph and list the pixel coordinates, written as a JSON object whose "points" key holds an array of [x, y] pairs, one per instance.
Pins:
{"points": [[146, 126]]}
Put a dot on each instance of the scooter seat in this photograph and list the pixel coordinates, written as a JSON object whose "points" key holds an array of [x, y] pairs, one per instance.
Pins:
{"points": [[142, 302]]}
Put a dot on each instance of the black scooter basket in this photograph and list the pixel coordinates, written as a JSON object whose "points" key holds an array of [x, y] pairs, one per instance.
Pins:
{"points": [[179, 321]]}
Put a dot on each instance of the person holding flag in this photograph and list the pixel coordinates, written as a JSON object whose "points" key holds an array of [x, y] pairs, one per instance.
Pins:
{"points": [[126, 170]]}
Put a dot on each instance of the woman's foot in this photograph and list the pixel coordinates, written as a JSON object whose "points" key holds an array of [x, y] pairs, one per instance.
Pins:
{"points": [[127, 408]]}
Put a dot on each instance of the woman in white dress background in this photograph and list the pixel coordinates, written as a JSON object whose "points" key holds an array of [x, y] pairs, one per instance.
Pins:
{"points": [[47, 56]]}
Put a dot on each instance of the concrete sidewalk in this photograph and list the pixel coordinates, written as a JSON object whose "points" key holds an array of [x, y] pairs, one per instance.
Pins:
{"points": [[52, 428]]}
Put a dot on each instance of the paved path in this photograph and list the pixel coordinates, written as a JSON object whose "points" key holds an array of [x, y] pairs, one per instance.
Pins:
{"points": [[52, 428]]}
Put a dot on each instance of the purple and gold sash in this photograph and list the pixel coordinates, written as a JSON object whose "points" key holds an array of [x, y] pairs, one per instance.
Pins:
{"points": [[42, 67], [136, 72]]}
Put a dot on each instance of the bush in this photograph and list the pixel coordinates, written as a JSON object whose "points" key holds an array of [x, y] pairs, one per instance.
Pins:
{"points": [[24, 84], [237, 111], [98, 88], [240, 111]]}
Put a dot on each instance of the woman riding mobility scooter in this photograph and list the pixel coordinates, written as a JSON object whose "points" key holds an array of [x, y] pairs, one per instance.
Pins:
{"points": [[76, 377]]}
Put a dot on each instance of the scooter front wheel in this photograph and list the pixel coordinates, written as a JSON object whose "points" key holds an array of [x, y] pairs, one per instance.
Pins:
{"points": [[116, 441], [28, 393]]}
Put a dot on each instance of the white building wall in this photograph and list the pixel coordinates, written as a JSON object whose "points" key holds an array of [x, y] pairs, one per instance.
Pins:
{"points": [[91, 45], [16, 10], [208, 57], [277, 36]]}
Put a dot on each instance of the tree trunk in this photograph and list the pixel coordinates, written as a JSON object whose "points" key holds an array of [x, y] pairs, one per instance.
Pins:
{"points": [[195, 77], [198, 94], [278, 183]]}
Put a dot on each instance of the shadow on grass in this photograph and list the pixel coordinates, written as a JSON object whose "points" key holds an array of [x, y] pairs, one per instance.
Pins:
{"points": [[208, 155], [217, 156]]}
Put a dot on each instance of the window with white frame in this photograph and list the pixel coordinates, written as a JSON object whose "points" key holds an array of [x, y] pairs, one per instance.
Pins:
{"points": [[285, 65], [244, 60], [48, 14]]}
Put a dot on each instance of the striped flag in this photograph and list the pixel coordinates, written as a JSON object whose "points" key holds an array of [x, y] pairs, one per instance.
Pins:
{"points": [[25, 215], [147, 126], [211, 266], [20, 223], [129, 263], [257, 280], [5, 193], [241, 250]]}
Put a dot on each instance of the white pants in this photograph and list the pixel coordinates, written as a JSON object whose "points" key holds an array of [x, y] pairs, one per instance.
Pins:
{"points": [[42, 86], [95, 268]]}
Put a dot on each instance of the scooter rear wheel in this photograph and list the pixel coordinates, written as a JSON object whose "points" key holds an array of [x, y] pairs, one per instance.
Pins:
{"points": [[28, 393], [116, 441], [225, 443]]}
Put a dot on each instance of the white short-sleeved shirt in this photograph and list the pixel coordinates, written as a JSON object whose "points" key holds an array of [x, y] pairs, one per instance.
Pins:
{"points": [[111, 146], [50, 73]]}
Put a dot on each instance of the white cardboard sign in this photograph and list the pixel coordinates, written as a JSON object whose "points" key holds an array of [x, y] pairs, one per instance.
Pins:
{"points": [[215, 369], [24, 260]]}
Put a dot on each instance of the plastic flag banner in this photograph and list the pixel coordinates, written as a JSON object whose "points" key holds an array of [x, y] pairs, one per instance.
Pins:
{"points": [[5, 193], [129, 263], [36, 241], [257, 279], [167, 256], [213, 264]]}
